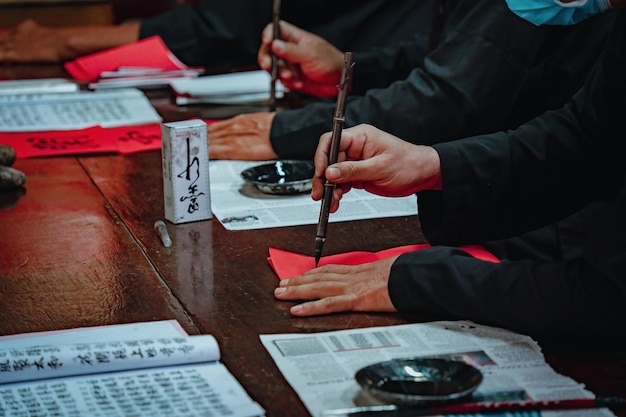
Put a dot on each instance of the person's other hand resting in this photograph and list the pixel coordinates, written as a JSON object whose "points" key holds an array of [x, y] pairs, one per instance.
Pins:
{"points": [[382, 164], [246, 136], [308, 63], [31, 42], [336, 288]]}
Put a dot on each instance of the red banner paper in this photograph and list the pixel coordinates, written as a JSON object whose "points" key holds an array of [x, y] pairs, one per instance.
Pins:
{"points": [[288, 264]]}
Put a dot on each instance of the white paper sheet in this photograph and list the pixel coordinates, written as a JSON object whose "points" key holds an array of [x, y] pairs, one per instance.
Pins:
{"points": [[57, 360], [195, 390], [199, 390], [232, 88], [130, 331], [37, 86], [77, 110]]}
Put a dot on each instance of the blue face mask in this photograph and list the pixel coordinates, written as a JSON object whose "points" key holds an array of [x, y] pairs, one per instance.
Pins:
{"points": [[555, 12]]}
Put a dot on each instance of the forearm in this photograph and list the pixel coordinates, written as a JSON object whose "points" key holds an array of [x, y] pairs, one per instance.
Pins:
{"points": [[536, 297], [508, 183], [434, 104], [32, 42], [88, 39], [379, 67]]}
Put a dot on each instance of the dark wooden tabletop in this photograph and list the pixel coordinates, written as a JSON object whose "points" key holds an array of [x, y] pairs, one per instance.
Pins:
{"points": [[78, 249]]}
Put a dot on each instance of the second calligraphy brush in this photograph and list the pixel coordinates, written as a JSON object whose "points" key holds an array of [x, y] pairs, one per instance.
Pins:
{"points": [[338, 122], [476, 408], [276, 36]]}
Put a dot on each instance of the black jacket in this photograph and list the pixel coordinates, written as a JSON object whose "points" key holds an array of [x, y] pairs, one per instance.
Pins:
{"points": [[226, 34], [490, 70], [503, 184]]}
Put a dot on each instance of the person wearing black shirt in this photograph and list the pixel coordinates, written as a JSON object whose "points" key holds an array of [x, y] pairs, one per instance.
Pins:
{"points": [[494, 186]]}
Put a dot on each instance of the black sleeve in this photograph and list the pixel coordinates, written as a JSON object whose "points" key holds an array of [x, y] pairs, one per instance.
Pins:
{"points": [[577, 298], [487, 65], [212, 33], [227, 34]]}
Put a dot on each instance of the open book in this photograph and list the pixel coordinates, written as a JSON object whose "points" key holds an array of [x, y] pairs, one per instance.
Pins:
{"points": [[165, 375]]}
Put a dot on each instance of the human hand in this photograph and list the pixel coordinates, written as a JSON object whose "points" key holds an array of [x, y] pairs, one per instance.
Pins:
{"points": [[377, 162], [246, 137], [336, 288], [10, 178], [308, 63], [32, 42]]}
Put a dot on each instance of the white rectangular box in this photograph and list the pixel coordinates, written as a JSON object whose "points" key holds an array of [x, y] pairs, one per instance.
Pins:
{"points": [[185, 153]]}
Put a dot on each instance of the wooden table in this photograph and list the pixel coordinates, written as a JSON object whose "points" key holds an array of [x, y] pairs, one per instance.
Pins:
{"points": [[78, 249]]}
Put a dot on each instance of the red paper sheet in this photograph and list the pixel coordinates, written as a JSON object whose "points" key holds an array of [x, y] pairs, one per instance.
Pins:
{"points": [[131, 139], [84, 141], [124, 140], [56, 143], [148, 53], [288, 264]]}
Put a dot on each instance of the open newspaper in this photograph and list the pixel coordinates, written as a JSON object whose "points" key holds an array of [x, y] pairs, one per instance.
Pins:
{"points": [[240, 206], [166, 375], [321, 366]]}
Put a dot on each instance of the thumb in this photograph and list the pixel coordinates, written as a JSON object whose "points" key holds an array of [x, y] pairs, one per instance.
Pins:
{"points": [[347, 171], [267, 33]]}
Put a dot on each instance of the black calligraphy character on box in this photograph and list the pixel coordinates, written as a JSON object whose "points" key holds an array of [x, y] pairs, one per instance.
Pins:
{"points": [[191, 174]]}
